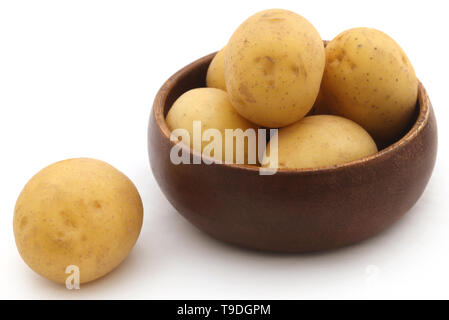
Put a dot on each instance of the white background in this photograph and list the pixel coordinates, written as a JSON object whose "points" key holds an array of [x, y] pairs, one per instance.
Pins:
{"points": [[78, 78]]}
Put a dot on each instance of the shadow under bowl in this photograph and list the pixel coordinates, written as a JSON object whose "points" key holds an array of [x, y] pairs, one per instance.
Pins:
{"points": [[300, 210]]}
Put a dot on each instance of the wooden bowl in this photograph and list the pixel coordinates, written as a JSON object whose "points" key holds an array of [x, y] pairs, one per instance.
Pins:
{"points": [[294, 210]]}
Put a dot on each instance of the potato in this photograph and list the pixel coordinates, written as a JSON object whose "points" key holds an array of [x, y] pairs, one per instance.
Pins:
{"points": [[369, 79], [213, 108], [80, 212], [215, 72], [320, 106], [274, 63], [321, 141]]}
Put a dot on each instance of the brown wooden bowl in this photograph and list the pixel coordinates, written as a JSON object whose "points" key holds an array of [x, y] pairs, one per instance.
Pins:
{"points": [[294, 210]]}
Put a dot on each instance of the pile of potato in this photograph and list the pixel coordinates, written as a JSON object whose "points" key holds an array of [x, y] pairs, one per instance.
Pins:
{"points": [[331, 104]]}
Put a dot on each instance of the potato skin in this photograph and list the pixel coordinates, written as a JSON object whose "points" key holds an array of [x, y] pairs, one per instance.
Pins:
{"points": [[369, 79], [274, 64], [322, 141], [320, 106], [213, 108], [215, 72], [81, 212]]}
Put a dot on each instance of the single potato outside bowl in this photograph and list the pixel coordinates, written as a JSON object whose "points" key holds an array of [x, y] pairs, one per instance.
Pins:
{"points": [[299, 210]]}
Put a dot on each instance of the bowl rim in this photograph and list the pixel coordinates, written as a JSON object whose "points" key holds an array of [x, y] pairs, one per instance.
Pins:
{"points": [[162, 95]]}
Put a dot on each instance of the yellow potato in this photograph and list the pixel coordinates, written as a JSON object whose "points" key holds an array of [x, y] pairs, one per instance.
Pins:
{"points": [[77, 212], [369, 79], [321, 141], [274, 63], [213, 108], [320, 106], [215, 72]]}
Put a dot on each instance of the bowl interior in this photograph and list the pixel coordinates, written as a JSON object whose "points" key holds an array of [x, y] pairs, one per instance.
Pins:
{"points": [[194, 76]]}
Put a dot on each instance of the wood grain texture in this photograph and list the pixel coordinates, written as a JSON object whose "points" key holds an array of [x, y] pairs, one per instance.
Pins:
{"points": [[298, 210]]}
